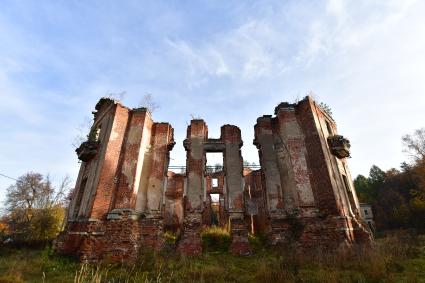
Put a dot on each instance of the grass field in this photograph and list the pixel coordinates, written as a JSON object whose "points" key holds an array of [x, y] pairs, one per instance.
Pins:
{"points": [[394, 258]]}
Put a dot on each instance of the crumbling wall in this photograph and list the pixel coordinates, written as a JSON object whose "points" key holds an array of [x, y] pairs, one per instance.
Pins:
{"points": [[125, 197], [190, 242], [134, 155], [233, 166], [256, 216], [121, 187], [173, 207], [303, 179]]}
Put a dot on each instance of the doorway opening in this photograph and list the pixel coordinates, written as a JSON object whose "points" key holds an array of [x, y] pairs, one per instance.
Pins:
{"points": [[215, 209]]}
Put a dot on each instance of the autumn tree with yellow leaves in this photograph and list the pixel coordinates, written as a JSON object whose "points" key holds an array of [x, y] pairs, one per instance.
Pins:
{"points": [[35, 208]]}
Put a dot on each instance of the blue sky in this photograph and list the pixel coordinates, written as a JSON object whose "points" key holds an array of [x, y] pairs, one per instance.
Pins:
{"points": [[224, 61]]}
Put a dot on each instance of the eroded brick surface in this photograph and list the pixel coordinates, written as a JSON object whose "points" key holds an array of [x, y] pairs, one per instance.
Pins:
{"points": [[126, 199]]}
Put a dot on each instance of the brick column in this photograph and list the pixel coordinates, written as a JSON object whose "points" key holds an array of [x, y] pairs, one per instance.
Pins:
{"points": [[233, 164], [277, 169], [322, 183], [264, 141], [138, 136], [292, 161], [163, 142], [152, 226], [173, 208], [190, 242], [105, 189]]}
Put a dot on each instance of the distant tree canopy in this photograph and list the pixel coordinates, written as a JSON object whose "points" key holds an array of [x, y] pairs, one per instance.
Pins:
{"points": [[35, 208], [398, 196], [247, 163]]}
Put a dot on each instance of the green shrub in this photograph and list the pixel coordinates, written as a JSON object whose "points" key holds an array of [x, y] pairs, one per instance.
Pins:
{"points": [[215, 238], [257, 242], [170, 237]]}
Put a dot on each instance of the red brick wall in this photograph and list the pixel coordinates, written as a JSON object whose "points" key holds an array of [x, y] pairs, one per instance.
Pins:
{"points": [[106, 185], [173, 209], [162, 140], [297, 159], [319, 174], [128, 164]]}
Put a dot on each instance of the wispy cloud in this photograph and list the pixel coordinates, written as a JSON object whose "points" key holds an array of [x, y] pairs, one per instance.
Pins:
{"points": [[228, 62]]}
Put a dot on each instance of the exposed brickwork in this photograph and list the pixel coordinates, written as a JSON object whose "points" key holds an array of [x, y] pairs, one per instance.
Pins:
{"points": [[319, 173], [126, 199], [256, 216], [128, 170], [173, 208], [190, 242], [219, 189], [104, 192]]}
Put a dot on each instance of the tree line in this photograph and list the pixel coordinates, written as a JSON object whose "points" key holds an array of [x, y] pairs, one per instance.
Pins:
{"points": [[397, 196]]}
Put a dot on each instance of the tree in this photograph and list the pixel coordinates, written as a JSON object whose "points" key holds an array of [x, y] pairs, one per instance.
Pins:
{"points": [[362, 185], [392, 211], [83, 131], [415, 144], [36, 207], [148, 102], [368, 188], [4, 228], [398, 197], [376, 176]]}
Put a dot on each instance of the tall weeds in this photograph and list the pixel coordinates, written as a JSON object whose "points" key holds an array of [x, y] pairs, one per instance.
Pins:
{"points": [[215, 238], [375, 263], [389, 259]]}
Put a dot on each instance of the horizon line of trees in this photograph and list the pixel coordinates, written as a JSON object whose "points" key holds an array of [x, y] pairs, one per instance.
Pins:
{"points": [[397, 196]]}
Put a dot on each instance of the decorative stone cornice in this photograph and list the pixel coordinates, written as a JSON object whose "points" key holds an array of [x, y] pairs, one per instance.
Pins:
{"points": [[87, 150], [339, 146]]}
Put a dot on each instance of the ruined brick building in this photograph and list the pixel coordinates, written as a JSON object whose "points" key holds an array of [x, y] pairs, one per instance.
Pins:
{"points": [[125, 197]]}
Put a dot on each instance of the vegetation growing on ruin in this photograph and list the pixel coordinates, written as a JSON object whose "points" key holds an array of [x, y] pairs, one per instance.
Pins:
{"points": [[170, 237], [215, 238], [397, 257]]}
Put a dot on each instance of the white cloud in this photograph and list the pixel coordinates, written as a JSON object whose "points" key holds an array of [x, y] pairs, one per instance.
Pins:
{"points": [[337, 8], [363, 58], [360, 57]]}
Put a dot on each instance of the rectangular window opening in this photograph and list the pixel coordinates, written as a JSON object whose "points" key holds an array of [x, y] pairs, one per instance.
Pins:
{"points": [[215, 198], [329, 128], [214, 162], [349, 193], [97, 134], [214, 182], [80, 195]]}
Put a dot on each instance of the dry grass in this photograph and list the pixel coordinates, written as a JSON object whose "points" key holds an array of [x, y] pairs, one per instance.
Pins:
{"points": [[215, 238], [395, 258]]}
